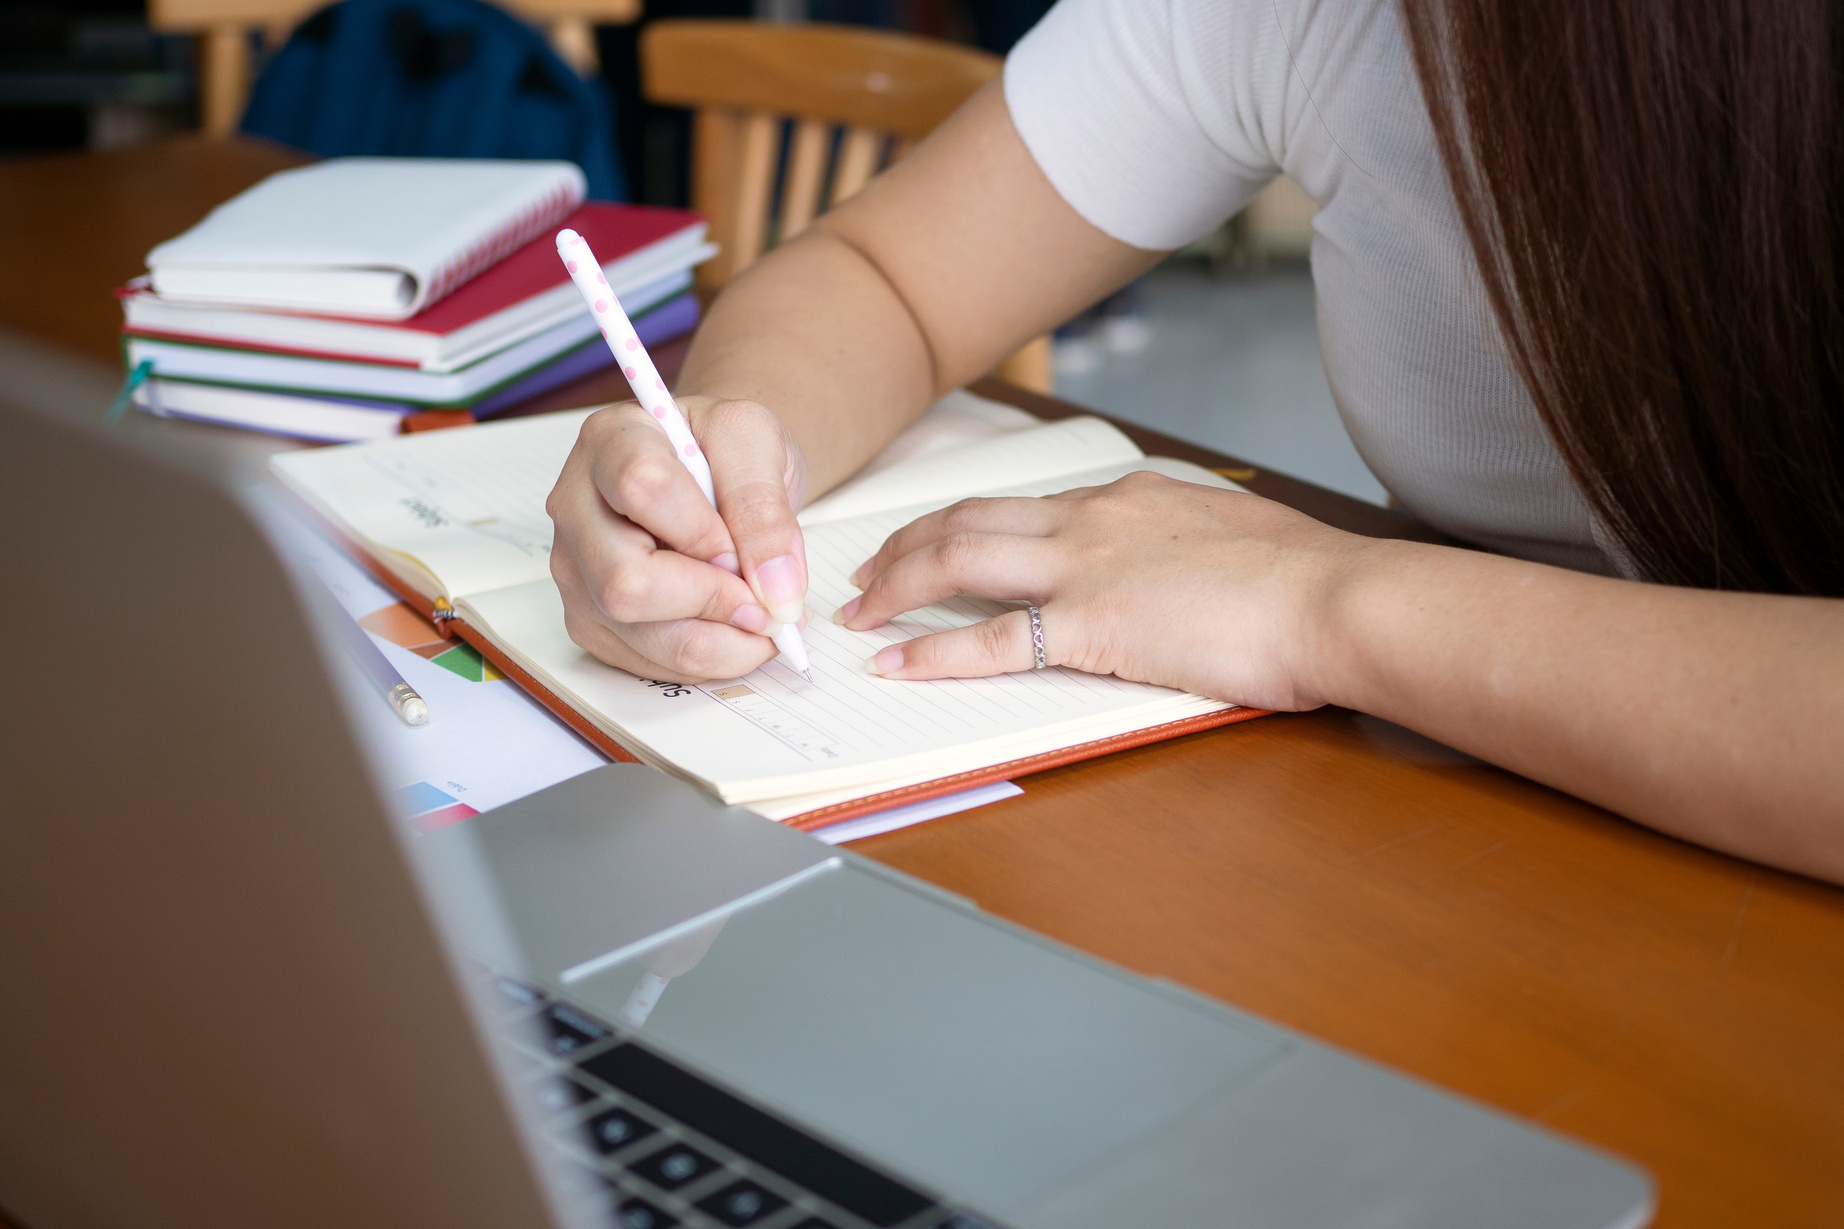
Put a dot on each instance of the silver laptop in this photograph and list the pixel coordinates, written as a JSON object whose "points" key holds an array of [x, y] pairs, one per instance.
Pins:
{"points": [[234, 991]]}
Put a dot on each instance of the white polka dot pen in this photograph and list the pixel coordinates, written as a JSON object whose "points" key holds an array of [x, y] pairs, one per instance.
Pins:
{"points": [[650, 390], [636, 363]]}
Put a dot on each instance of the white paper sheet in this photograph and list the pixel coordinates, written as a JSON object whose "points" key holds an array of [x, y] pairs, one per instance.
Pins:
{"points": [[486, 743], [467, 506], [915, 813]]}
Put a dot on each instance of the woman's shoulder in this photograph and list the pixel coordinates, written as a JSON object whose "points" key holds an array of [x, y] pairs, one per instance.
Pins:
{"points": [[1156, 119], [1219, 34]]}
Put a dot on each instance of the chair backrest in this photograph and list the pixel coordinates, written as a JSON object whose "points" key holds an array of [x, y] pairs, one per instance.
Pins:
{"points": [[789, 120], [840, 102], [225, 29]]}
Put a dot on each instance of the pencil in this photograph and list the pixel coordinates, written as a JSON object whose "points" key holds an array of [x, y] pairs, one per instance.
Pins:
{"points": [[400, 695]]}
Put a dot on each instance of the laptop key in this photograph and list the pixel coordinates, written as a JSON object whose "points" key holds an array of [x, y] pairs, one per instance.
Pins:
{"points": [[639, 1214], [560, 1093], [742, 1203], [571, 1030], [765, 1140], [616, 1129], [673, 1166], [516, 995]]}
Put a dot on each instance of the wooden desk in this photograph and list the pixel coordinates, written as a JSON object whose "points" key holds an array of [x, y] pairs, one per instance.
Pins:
{"points": [[1331, 871]]}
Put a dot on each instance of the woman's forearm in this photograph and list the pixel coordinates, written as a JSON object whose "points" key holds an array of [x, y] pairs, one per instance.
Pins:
{"points": [[1718, 717], [928, 277], [815, 333]]}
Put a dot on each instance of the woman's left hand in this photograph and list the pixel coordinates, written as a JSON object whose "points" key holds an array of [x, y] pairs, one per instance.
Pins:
{"points": [[1216, 592]]}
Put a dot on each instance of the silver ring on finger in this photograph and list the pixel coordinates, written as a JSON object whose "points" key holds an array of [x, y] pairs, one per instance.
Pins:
{"points": [[1037, 638]]}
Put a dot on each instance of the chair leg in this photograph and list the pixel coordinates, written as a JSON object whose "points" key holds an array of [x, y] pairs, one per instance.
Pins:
{"points": [[800, 200], [1029, 368], [716, 146], [755, 184], [224, 79], [573, 39], [857, 162]]}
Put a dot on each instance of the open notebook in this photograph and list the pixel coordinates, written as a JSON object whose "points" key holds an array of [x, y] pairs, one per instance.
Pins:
{"points": [[457, 519]]}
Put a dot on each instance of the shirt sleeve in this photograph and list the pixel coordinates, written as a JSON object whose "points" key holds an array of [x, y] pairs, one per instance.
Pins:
{"points": [[1107, 96]]}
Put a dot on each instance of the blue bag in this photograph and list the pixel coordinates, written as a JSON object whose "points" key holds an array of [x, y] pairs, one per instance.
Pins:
{"points": [[432, 78]]}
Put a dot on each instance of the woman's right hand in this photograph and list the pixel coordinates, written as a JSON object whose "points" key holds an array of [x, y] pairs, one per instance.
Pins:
{"points": [[919, 283], [656, 581]]}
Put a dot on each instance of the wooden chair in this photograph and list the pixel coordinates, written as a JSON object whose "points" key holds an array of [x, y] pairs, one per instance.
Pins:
{"points": [[225, 27], [792, 119]]}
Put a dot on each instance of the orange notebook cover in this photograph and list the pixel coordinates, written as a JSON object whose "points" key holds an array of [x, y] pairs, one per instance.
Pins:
{"points": [[460, 514], [452, 625]]}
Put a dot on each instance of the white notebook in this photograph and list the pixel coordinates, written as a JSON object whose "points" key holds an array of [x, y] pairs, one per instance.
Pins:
{"points": [[378, 237], [459, 515]]}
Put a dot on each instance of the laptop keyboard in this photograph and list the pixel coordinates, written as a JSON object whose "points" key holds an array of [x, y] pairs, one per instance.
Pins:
{"points": [[669, 1149]]}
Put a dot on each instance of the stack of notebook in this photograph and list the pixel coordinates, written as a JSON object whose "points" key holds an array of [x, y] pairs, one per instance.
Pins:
{"points": [[332, 301]]}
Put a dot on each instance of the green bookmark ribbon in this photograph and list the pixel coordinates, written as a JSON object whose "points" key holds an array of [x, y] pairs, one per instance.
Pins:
{"points": [[119, 406]]}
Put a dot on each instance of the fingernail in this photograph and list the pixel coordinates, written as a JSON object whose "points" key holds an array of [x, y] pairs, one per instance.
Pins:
{"points": [[863, 573], [887, 661], [845, 613], [726, 561], [778, 580], [750, 618]]}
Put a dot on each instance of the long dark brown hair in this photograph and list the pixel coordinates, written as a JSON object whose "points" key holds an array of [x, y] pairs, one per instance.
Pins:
{"points": [[1654, 190]]}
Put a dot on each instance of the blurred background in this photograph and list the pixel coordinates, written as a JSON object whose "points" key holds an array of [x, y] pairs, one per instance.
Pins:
{"points": [[1218, 345]]}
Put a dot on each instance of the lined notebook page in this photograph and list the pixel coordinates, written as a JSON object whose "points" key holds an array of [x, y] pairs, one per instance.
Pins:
{"points": [[1012, 459], [463, 511], [466, 507], [958, 419], [773, 740]]}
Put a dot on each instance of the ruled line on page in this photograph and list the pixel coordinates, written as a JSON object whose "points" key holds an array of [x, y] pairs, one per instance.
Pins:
{"points": [[870, 715]]}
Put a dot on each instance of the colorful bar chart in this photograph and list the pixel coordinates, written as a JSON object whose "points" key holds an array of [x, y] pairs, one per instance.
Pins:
{"points": [[406, 629], [429, 807]]}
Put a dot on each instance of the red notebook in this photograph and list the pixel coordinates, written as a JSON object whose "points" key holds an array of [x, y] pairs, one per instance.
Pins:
{"points": [[520, 297]]}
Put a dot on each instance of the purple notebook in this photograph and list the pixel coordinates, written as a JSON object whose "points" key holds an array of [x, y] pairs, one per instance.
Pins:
{"points": [[665, 322]]}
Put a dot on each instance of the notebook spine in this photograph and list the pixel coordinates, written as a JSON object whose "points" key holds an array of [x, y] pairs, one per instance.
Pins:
{"points": [[484, 253]]}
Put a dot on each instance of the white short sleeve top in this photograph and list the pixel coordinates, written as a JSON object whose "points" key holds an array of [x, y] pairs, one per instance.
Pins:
{"points": [[1158, 119]]}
